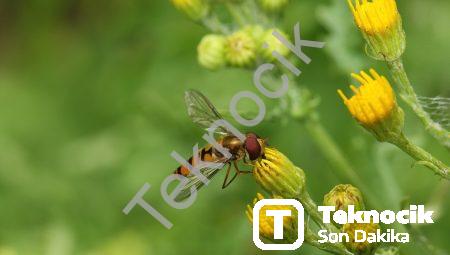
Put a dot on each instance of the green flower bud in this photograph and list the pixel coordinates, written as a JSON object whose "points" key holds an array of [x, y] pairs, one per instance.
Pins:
{"points": [[273, 5], [273, 44], [278, 175], [195, 9], [343, 195], [256, 32], [211, 51], [360, 247], [240, 49]]}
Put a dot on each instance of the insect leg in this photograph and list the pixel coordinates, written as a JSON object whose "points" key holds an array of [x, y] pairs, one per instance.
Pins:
{"points": [[224, 185], [240, 171], [244, 159]]}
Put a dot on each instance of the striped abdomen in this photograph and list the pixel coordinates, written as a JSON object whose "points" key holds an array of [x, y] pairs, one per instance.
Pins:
{"points": [[205, 154]]}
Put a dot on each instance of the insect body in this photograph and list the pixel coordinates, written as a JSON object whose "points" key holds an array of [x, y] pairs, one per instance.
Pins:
{"points": [[202, 112]]}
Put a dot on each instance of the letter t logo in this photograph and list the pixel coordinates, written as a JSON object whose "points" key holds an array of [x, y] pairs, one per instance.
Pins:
{"points": [[278, 221], [278, 216]]}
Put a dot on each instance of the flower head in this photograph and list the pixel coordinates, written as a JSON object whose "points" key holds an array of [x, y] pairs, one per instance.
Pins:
{"points": [[343, 195], [374, 105], [211, 51], [354, 246], [240, 49], [380, 23], [266, 223], [377, 16], [272, 44], [278, 175], [195, 9], [373, 101]]}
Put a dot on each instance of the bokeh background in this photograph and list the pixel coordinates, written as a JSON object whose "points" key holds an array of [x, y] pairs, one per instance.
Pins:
{"points": [[91, 105]]}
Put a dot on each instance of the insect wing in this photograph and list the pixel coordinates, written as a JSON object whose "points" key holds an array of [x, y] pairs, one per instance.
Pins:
{"points": [[194, 181], [202, 111]]}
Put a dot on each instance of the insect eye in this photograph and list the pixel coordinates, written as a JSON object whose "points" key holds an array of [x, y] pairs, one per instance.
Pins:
{"points": [[253, 148]]}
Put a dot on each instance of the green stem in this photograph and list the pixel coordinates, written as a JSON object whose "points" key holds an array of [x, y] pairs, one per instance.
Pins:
{"points": [[409, 96], [311, 208], [213, 23], [335, 156], [422, 156]]}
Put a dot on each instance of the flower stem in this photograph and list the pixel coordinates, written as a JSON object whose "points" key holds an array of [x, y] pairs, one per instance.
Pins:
{"points": [[213, 23], [335, 156], [409, 96], [311, 208], [422, 156]]}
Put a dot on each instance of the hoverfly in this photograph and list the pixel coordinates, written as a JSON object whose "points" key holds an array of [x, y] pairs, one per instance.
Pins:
{"points": [[202, 112]]}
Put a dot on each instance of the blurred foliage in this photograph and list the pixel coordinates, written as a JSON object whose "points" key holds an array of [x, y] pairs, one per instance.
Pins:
{"points": [[91, 105]]}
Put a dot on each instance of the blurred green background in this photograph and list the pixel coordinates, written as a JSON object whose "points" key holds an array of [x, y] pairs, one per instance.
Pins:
{"points": [[91, 105]]}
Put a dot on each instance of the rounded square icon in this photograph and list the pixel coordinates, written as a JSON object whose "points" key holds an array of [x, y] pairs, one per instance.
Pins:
{"points": [[301, 226]]}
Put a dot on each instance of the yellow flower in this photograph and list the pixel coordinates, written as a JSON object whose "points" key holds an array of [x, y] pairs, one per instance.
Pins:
{"points": [[377, 16], [381, 25], [343, 195], [373, 101], [266, 222], [195, 9], [374, 105], [278, 175], [365, 246], [240, 49]]}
